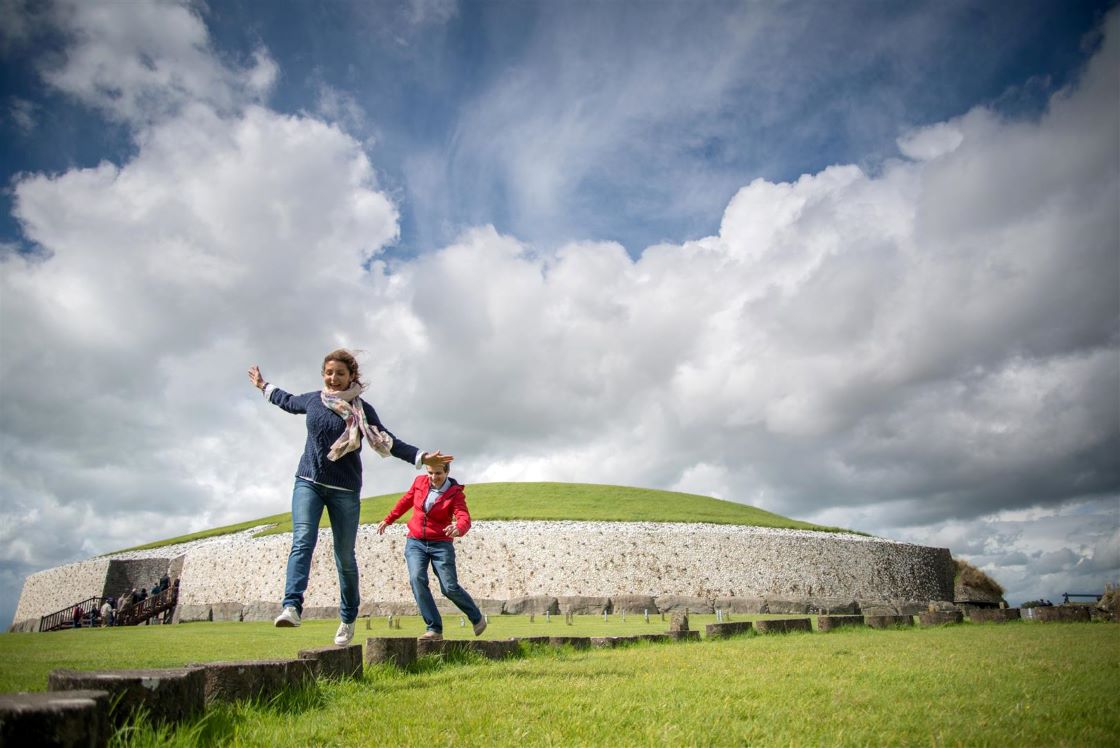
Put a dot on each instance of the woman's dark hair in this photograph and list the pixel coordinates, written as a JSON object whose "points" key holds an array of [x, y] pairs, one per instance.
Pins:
{"points": [[346, 358]]}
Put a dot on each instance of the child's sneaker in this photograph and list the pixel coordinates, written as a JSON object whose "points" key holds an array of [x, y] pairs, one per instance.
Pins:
{"points": [[344, 635], [288, 619]]}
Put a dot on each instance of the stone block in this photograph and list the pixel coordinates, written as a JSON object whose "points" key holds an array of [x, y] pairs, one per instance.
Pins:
{"points": [[888, 622], [678, 622], [250, 679], [1062, 613], [993, 615], [606, 642], [399, 651], [833, 606], [490, 606], [581, 605], [634, 604], [578, 642], [320, 612], [535, 604], [190, 613], [334, 662], [877, 608], [785, 606], [725, 630], [672, 603], [748, 605], [168, 695], [259, 610], [941, 606], [496, 649], [226, 611], [682, 636], [67, 718], [782, 625], [910, 607], [831, 623], [492, 649], [388, 608], [940, 617]]}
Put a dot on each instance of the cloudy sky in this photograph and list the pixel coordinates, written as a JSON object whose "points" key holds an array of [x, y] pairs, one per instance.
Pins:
{"points": [[855, 263]]}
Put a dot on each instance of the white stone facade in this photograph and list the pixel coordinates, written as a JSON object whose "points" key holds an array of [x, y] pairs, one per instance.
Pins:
{"points": [[500, 560]]}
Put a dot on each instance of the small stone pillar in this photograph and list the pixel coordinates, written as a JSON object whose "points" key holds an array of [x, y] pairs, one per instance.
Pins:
{"points": [[679, 622]]}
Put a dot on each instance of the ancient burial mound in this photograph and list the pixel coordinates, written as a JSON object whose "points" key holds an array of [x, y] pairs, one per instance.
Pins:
{"points": [[538, 547]]}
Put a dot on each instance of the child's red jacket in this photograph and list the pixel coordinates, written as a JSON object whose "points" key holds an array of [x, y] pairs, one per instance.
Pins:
{"points": [[430, 525]]}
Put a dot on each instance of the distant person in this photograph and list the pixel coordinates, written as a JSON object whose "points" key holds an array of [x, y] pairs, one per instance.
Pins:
{"points": [[164, 582], [329, 476], [77, 616], [439, 513], [106, 613]]}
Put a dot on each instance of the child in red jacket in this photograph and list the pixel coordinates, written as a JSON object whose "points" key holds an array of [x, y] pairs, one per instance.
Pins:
{"points": [[439, 513]]}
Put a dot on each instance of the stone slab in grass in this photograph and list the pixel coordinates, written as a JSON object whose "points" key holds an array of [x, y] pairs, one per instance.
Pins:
{"points": [[493, 649], [334, 662], [659, 637], [831, 623], [993, 615], [1062, 613], [940, 617], [606, 642], [63, 718], [250, 679], [579, 642], [729, 628], [168, 695], [533, 639], [682, 636], [398, 651], [782, 625], [888, 622]]}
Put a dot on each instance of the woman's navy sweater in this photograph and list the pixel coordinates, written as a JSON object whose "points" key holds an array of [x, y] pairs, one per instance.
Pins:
{"points": [[324, 426]]}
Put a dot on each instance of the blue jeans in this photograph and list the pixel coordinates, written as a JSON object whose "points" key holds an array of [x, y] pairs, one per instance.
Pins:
{"points": [[441, 555], [308, 500]]}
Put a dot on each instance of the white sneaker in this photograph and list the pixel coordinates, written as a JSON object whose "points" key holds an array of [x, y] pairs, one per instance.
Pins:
{"points": [[344, 635], [289, 619], [480, 626]]}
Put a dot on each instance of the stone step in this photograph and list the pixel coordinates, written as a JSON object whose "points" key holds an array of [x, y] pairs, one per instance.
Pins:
{"points": [[782, 625], [250, 679], [64, 719], [727, 629], [168, 695], [334, 662]]}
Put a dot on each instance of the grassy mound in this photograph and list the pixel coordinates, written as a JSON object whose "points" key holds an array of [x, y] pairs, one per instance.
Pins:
{"points": [[970, 576], [583, 502]]}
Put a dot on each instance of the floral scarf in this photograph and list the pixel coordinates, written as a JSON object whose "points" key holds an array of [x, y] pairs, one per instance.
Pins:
{"points": [[348, 405]]}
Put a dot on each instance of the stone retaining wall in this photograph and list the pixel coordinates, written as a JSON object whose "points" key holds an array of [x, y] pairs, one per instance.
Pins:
{"points": [[505, 560]]}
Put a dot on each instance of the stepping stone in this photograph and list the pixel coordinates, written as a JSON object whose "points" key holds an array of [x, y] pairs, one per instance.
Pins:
{"points": [[492, 649], [607, 642], [579, 642], [889, 622], [334, 662], [1062, 613], [682, 636], [169, 695], [724, 630], [831, 623], [993, 615], [940, 617], [534, 639], [398, 651], [66, 718], [235, 681], [783, 625]]}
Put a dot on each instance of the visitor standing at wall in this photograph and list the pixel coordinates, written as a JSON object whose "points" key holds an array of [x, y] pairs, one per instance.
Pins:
{"points": [[329, 476], [439, 514]]}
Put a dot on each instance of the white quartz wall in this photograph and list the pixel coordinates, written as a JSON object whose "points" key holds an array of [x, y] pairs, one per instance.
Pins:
{"points": [[507, 559]]}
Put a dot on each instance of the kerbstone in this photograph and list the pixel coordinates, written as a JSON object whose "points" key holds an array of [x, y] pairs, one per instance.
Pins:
{"points": [[226, 611], [536, 604], [1062, 613], [690, 604], [682, 636], [633, 604], [169, 695], [578, 642], [335, 662], [78, 719], [993, 615]]}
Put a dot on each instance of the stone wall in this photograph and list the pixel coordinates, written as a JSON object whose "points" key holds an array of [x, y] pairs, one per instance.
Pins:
{"points": [[501, 560]]}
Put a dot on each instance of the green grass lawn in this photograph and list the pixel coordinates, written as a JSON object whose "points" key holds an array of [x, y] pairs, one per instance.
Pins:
{"points": [[1024, 684], [556, 501]]}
